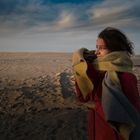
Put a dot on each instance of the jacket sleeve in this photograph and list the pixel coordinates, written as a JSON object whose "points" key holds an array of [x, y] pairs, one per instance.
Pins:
{"points": [[129, 86], [79, 95], [92, 74]]}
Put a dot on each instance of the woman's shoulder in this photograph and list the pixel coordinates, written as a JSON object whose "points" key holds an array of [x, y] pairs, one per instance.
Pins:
{"points": [[129, 86], [128, 76]]}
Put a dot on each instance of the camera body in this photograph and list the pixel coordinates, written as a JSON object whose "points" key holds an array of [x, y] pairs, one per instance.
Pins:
{"points": [[89, 55]]}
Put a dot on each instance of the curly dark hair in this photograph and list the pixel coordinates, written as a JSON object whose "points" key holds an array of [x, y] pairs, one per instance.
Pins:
{"points": [[116, 40]]}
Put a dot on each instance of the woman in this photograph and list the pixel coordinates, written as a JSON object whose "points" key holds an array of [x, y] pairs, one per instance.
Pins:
{"points": [[107, 86]]}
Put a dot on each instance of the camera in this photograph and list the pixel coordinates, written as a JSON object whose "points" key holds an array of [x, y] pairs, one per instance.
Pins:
{"points": [[89, 55]]}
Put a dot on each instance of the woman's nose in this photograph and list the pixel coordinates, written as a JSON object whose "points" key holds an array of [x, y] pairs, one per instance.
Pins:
{"points": [[97, 51]]}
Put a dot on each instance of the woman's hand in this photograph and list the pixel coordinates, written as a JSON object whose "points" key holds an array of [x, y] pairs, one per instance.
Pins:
{"points": [[89, 104], [72, 79]]}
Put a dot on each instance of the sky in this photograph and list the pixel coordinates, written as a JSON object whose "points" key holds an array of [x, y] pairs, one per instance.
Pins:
{"points": [[64, 25]]}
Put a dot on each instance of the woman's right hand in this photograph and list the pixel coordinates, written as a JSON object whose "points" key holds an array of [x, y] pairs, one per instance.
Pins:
{"points": [[90, 104]]}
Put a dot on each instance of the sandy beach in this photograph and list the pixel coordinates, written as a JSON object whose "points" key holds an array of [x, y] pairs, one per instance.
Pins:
{"points": [[37, 97]]}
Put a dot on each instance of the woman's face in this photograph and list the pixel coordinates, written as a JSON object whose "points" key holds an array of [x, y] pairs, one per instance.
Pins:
{"points": [[101, 49]]}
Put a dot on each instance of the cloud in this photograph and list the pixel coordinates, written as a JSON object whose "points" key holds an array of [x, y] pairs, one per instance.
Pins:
{"points": [[116, 13], [50, 16], [65, 20], [35, 24]]}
